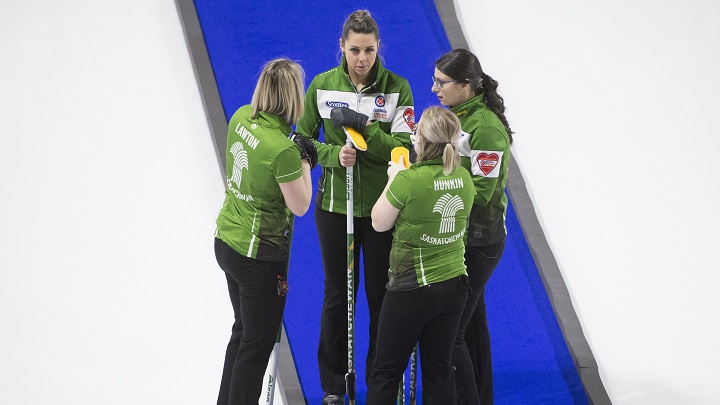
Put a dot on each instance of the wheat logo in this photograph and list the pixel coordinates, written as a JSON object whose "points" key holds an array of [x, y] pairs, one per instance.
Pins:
{"points": [[240, 162], [448, 206]]}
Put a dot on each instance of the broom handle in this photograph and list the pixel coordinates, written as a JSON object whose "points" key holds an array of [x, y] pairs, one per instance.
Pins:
{"points": [[350, 376], [273, 363]]}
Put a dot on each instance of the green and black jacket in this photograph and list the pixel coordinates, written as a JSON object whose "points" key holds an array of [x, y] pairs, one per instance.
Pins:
{"points": [[484, 147], [388, 102]]}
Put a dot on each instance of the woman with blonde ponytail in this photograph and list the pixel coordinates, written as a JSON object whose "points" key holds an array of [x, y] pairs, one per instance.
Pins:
{"points": [[434, 142], [268, 180], [428, 205]]}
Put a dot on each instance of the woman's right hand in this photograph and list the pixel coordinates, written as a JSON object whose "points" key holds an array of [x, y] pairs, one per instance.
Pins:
{"points": [[395, 167], [347, 156]]}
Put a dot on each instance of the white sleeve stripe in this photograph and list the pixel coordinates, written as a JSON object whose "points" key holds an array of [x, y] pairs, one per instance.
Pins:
{"points": [[396, 199], [286, 175]]}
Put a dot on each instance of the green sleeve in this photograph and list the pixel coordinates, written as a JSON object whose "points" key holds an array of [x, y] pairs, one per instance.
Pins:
{"points": [[398, 192], [485, 138], [309, 127], [287, 165]]}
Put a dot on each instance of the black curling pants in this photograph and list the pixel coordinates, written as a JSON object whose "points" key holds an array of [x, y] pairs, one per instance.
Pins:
{"points": [[253, 288], [429, 315], [471, 356], [375, 247]]}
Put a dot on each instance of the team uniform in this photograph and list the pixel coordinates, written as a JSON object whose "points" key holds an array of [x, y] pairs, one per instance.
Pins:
{"points": [[388, 103], [251, 245], [428, 285], [485, 149]]}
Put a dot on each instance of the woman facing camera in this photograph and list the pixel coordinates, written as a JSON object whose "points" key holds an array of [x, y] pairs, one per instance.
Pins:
{"points": [[362, 94]]}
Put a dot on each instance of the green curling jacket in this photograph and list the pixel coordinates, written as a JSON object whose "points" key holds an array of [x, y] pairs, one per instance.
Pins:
{"points": [[388, 102], [484, 148]]}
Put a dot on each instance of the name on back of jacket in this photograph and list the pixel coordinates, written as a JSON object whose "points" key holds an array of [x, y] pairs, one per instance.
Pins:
{"points": [[247, 136], [448, 184]]}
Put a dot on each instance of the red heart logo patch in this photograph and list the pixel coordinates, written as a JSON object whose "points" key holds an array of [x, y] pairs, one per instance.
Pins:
{"points": [[487, 162], [409, 116]]}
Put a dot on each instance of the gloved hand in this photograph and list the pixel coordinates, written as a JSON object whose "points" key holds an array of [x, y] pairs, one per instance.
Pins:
{"points": [[306, 148], [343, 116], [413, 156]]}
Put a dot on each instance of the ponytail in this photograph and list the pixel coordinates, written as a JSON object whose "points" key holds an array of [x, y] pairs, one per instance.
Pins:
{"points": [[494, 101], [438, 133], [451, 158]]}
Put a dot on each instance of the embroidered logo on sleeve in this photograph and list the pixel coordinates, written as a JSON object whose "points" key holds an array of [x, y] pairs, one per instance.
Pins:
{"points": [[409, 116], [486, 163]]}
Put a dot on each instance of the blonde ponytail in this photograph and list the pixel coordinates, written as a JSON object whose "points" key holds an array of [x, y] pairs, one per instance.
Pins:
{"points": [[438, 132], [451, 158]]}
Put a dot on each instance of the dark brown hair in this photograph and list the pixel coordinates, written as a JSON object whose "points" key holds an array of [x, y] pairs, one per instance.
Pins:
{"points": [[360, 22], [461, 64]]}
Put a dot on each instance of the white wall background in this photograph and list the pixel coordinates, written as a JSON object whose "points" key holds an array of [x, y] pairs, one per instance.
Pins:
{"points": [[615, 105], [109, 292]]}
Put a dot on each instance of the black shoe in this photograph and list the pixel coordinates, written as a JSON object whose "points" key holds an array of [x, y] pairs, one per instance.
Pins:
{"points": [[333, 399]]}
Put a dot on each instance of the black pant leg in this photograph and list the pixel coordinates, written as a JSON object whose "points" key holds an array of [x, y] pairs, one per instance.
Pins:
{"points": [[233, 345], [376, 263], [332, 348], [401, 321], [437, 341], [430, 315], [258, 309], [481, 262]]}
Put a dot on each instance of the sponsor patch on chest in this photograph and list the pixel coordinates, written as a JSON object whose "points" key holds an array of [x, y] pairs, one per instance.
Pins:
{"points": [[379, 114]]}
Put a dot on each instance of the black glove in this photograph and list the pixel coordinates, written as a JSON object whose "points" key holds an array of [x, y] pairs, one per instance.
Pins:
{"points": [[413, 155], [343, 116], [306, 147]]}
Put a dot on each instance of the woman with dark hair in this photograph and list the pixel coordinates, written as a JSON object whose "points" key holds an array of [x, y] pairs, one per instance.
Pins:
{"points": [[361, 94], [460, 83]]}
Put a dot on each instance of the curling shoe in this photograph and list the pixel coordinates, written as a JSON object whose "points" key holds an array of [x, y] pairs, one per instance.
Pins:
{"points": [[333, 399]]}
